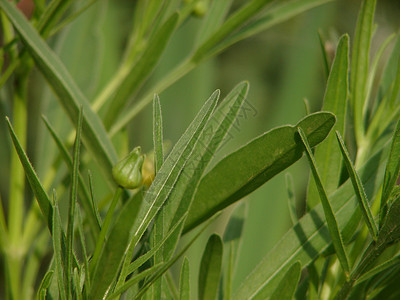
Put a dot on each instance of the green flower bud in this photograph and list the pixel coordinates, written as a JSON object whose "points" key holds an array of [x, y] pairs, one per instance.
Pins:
{"points": [[200, 9], [127, 173]]}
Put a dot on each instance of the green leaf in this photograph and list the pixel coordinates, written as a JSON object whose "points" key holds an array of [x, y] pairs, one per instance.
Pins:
{"points": [[391, 172], [327, 155], [114, 248], [246, 169], [107, 269], [135, 279], [310, 237], [390, 231], [53, 12], [169, 173], [138, 72], [234, 22], [72, 204], [234, 228], [105, 228], [274, 16], [394, 261], [286, 288], [232, 240], [291, 198], [326, 61], [94, 207], [208, 143], [329, 214], [169, 263], [360, 65], [374, 69], [69, 95], [34, 182], [58, 252], [76, 284], [44, 285], [278, 13], [184, 281], [157, 134], [210, 268], [391, 70], [84, 251], [213, 20], [85, 198], [142, 259], [359, 189]]}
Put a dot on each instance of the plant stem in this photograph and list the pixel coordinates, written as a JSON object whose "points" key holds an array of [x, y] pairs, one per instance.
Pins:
{"points": [[168, 80]]}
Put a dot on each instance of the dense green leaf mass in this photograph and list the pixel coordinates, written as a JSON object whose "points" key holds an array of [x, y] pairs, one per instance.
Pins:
{"points": [[246, 169]]}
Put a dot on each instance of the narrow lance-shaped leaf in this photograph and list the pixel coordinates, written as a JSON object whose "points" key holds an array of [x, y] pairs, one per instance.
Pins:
{"points": [[170, 170], [77, 284], [158, 228], [394, 261], [145, 257], [278, 13], [310, 237], [391, 70], [135, 279], [34, 182], [44, 285], [210, 268], [94, 207], [235, 21], [115, 246], [391, 172], [184, 281], [58, 252], [72, 204], [177, 190], [164, 267], [232, 240], [141, 69], [85, 198], [212, 21], [157, 271], [327, 155], [325, 60], [51, 15], [157, 134], [374, 72], [246, 169], [291, 198], [212, 137], [69, 95], [84, 251], [286, 288], [328, 211], [359, 189], [360, 64], [105, 228], [158, 192]]}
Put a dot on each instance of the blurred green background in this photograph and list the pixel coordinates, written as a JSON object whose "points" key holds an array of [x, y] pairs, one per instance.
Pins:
{"points": [[283, 66]]}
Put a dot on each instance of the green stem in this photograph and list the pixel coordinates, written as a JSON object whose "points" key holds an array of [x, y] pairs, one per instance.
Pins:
{"points": [[168, 80]]}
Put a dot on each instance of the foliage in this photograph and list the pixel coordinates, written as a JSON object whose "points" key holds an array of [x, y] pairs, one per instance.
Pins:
{"points": [[121, 240]]}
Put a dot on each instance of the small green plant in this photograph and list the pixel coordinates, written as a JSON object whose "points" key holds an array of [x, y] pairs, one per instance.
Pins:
{"points": [[121, 241]]}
